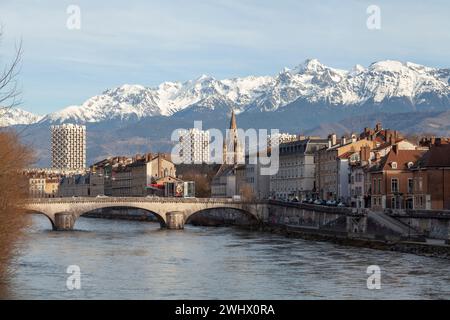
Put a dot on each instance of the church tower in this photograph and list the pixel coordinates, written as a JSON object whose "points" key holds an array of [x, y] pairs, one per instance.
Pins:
{"points": [[233, 152]]}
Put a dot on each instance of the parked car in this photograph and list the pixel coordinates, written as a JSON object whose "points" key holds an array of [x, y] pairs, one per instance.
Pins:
{"points": [[342, 204], [102, 196], [295, 200], [331, 203], [317, 201]]}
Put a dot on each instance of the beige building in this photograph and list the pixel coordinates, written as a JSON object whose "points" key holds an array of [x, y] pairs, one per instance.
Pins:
{"points": [[223, 184], [43, 183], [36, 187], [333, 164], [51, 187], [295, 177], [137, 178], [259, 184]]}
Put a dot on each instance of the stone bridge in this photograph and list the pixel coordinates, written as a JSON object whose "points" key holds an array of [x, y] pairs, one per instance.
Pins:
{"points": [[172, 213]]}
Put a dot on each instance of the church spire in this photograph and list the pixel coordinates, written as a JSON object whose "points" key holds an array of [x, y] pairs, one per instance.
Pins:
{"points": [[233, 120]]}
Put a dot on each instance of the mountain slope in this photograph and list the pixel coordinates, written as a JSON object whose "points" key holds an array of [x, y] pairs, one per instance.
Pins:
{"points": [[384, 84], [15, 116], [310, 98]]}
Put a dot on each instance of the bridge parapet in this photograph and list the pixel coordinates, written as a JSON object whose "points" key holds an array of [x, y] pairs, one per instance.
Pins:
{"points": [[160, 206], [77, 206]]}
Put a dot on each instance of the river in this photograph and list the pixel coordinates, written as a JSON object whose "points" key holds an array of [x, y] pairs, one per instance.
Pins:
{"points": [[121, 259]]}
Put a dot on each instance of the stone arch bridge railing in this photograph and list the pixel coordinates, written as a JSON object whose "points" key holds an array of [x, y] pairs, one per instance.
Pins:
{"points": [[171, 212]]}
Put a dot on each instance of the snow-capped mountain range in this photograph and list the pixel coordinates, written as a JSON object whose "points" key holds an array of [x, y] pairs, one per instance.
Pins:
{"points": [[418, 86], [15, 116]]}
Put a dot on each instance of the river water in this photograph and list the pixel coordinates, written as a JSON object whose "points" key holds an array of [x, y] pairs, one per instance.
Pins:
{"points": [[136, 260]]}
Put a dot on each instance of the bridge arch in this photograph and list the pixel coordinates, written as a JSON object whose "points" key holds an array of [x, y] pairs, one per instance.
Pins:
{"points": [[37, 212], [157, 215], [252, 218]]}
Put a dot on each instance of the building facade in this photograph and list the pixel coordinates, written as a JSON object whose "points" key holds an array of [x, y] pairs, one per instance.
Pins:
{"points": [[90, 184], [332, 165], [392, 180], [194, 146], [68, 146], [431, 178], [259, 184], [296, 175]]}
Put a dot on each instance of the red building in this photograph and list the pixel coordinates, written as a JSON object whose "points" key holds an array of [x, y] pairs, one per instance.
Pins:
{"points": [[392, 183], [432, 178]]}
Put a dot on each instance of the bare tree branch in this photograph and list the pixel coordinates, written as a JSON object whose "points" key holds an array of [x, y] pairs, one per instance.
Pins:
{"points": [[9, 91]]}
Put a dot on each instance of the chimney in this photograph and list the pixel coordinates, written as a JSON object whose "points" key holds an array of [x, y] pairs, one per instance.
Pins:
{"points": [[343, 140], [378, 127], [332, 138], [354, 139], [395, 148], [390, 138], [438, 141], [365, 153], [160, 173]]}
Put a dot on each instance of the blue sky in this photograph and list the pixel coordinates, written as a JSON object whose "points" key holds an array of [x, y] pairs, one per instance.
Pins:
{"points": [[148, 42]]}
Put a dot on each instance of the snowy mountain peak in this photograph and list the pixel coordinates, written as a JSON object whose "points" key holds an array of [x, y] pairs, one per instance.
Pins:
{"points": [[15, 116], [310, 82], [313, 65], [357, 69]]}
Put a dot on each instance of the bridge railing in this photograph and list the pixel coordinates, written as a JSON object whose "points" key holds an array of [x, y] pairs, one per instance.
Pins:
{"points": [[134, 199]]}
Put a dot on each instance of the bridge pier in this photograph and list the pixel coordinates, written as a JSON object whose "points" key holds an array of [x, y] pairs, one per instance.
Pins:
{"points": [[175, 220], [64, 221]]}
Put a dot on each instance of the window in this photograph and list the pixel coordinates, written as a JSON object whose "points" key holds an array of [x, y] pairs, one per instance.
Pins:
{"points": [[394, 185], [379, 185], [410, 185], [393, 203], [394, 165]]}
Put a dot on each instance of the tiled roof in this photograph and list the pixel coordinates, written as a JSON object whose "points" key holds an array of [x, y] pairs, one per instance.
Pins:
{"points": [[346, 155], [437, 156], [401, 157]]}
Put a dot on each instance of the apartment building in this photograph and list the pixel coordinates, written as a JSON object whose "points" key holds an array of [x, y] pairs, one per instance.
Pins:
{"points": [[194, 146], [431, 178], [392, 179], [68, 146], [296, 174], [333, 162]]}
